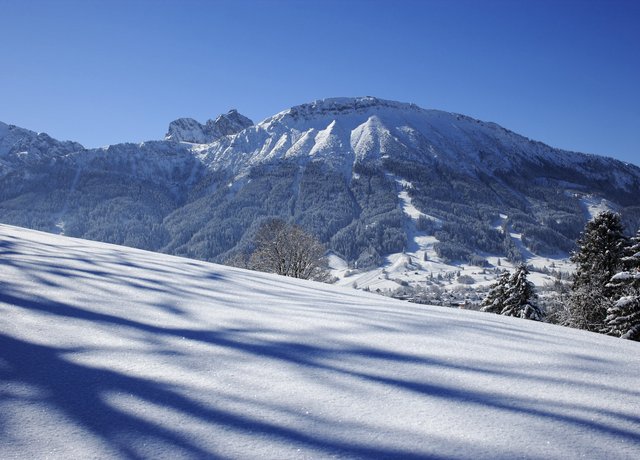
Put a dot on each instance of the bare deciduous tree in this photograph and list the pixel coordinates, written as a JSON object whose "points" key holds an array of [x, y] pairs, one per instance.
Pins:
{"points": [[288, 250]]}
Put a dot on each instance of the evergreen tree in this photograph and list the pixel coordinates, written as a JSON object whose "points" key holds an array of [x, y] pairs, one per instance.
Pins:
{"points": [[494, 301], [597, 259], [521, 296], [623, 317]]}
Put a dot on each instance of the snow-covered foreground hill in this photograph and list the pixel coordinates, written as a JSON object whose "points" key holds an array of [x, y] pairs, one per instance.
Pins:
{"points": [[110, 352]]}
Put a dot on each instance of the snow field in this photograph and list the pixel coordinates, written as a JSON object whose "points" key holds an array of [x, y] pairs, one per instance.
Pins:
{"points": [[110, 352]]}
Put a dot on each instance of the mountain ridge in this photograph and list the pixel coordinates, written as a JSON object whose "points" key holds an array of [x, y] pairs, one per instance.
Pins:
{"points": [[346, 169], [317, 118]]}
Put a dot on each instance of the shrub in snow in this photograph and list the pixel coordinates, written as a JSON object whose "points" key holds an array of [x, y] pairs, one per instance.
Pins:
{"points": [[466, 279]]}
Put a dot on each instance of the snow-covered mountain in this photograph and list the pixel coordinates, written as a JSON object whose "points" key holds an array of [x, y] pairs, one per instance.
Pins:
{"points": [[20, 148], [189, 130], [112, 352], [377, 181], [344, 131], [22, 142]]}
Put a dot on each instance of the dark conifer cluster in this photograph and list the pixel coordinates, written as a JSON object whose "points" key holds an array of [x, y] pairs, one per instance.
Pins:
{"points": [[605, 289], [513, 295]]}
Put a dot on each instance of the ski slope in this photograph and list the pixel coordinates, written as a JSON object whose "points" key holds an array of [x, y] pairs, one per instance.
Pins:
{"points": [[111, 352]]}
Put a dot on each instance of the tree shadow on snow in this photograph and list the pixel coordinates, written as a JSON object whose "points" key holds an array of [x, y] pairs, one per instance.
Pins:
{"points": [[78, 391], [81, 392]]}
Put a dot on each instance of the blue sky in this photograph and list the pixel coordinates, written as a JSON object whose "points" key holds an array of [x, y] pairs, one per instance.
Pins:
{"points": [[100, 72]]}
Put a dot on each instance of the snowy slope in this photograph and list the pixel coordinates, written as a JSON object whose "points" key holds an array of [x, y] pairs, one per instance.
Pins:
{"points": [[419, 263], [110, 352]]}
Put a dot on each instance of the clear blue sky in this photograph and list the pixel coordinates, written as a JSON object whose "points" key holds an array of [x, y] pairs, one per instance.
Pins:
{"points": [[100, 72]]}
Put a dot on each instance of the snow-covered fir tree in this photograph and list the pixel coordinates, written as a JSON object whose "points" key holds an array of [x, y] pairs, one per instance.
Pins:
{"points": [[597, 259], [513, 295], [494, 301], [623, 317], [520, 296]]}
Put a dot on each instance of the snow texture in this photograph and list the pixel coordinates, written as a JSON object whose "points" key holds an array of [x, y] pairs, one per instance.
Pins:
{"points": [[110, 352], [625, 276]]}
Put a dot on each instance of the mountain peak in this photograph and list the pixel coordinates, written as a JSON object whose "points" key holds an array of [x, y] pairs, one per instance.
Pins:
{"points": [[14, 139], [190, 130]]}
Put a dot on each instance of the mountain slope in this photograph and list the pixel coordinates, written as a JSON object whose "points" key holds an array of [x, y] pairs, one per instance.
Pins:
{"points": [[113, 352], [371, 178]]}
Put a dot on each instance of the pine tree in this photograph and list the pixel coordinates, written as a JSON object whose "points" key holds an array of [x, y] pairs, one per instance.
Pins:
{"points": [[597, 259], [494, 301], [623, 317], [521, 296]]}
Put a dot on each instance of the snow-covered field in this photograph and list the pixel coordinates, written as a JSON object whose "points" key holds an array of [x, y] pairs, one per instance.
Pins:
{"points": [[110, 352]]}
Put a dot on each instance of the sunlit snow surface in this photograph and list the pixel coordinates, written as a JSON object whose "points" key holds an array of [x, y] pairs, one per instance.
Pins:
{"points": [[109, 352]]}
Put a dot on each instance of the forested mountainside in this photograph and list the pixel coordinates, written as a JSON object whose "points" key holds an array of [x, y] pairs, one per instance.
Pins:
{"points": [[344, 169]]}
